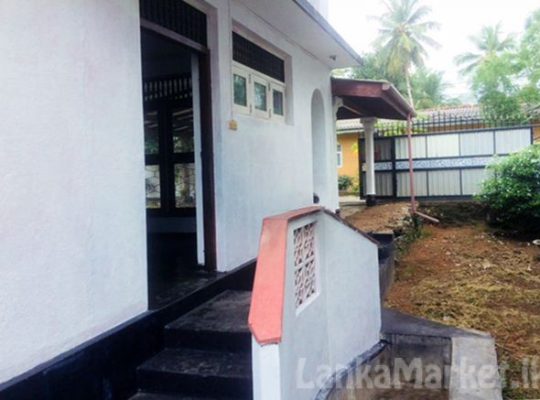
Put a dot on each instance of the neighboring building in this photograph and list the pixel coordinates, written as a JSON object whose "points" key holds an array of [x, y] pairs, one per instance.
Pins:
{"points": [[347, 151]]}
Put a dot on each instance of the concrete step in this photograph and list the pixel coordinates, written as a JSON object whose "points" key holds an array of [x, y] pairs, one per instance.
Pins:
{"points": [[197, 372], [218, 324]]}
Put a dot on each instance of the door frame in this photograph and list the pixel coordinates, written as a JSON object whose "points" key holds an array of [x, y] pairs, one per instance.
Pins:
{"points": [[207, 138]]}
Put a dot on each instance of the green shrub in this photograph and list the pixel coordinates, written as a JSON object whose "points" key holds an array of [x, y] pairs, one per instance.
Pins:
{"points": [[344, 182], [512, 192]]}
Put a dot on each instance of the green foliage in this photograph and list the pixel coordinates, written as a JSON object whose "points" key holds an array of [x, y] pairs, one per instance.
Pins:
{"points": [[345, 182], [400, 47], [373, 68], [512, 193], [495, 86], [404, 35], [428, 89], [529, 57], [489, 44], [505, 74]]}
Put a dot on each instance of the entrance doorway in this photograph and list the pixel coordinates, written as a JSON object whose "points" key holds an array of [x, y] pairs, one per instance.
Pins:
{"points": [[176, 134]]}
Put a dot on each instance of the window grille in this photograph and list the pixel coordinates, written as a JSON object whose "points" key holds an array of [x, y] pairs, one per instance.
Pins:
{"points": [[176, 87], [257, 58], [177, 16]]}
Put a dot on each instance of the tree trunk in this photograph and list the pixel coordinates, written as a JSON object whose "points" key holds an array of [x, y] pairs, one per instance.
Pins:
{"points": [[409, 88]]}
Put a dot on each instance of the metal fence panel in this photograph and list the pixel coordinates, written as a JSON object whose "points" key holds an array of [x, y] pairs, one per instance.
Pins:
{"points": [[383, 184], [420, 184], [446, 164], [443, 145], [471, 181], [418, 146], [383, 150], [444, 183], [510, 141], [476, 143]]}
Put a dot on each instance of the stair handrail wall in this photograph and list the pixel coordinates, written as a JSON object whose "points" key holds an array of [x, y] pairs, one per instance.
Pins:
{"points": [[315, 303]]}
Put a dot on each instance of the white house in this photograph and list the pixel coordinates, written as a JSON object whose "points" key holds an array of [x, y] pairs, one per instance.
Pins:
{"points": [[221, 110]]}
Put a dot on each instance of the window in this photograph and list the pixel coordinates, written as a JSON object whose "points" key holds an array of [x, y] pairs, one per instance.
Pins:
{"points": [[258, 81], [260, 96], [240, 90], [339, 156], [277, 98]]}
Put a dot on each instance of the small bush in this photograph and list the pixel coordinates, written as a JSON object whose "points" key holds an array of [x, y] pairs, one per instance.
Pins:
{"points": [[512, 193], [344, 183]]}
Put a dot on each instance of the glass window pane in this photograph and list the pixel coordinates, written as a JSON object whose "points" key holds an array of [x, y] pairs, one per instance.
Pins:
{"points": [[260, 96], [278, 102], [151, 133], [153, 187], [240, 90], [184, 185], [182, 127]]}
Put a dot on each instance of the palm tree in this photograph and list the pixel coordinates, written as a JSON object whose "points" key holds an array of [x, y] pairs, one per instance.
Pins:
{"points": [[428, 88], [489, 44], [403, 37]]}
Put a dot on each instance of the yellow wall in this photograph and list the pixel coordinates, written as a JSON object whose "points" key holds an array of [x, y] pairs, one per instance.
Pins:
{"points": [[536, 133], [350, 155]]}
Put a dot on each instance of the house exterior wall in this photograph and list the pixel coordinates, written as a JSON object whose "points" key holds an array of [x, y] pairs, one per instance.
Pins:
{"points": [[536, 132], [265, 167], [72, 247], [349, 148]]}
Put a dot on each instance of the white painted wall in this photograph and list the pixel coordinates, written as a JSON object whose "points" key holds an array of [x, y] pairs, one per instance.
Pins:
{"points": [[72, 248], [340, 323], [264, 167], [72, 231]]}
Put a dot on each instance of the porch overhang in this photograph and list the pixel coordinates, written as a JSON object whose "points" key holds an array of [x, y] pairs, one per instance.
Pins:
{"points": [[301, 22], [367, 99]]}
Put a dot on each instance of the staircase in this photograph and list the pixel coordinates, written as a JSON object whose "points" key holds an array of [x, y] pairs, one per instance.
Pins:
{"points": [[207, 354]]}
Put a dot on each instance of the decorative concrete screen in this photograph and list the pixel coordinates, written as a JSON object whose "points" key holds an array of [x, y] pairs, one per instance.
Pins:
{"points": [[315, 304], [305, 265], [445, 164]]}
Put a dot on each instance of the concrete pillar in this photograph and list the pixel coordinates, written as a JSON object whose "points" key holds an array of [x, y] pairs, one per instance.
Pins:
{"points": [[369, 129]]}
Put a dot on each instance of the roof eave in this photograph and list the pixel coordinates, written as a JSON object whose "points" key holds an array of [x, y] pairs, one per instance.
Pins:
{"points": [[402, 105], [376, 90], [325, 25]]}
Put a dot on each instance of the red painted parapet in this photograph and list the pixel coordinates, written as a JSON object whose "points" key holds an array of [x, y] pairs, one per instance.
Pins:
{"points": [[266, 311]]}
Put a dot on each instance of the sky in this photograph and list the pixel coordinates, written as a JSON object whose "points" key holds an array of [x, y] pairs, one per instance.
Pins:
{"points": [[459, 19]]}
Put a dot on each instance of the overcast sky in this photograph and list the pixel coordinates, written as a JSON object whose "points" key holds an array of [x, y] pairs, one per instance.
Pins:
{"points": [[459, 19]]}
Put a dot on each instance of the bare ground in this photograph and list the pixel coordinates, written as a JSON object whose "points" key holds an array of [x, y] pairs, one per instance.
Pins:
{"points": [[468, 276], [382, 218]]}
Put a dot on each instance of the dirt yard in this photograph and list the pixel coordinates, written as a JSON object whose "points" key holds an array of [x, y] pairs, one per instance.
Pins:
{"points": [[469, 276], [382, 218]]}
